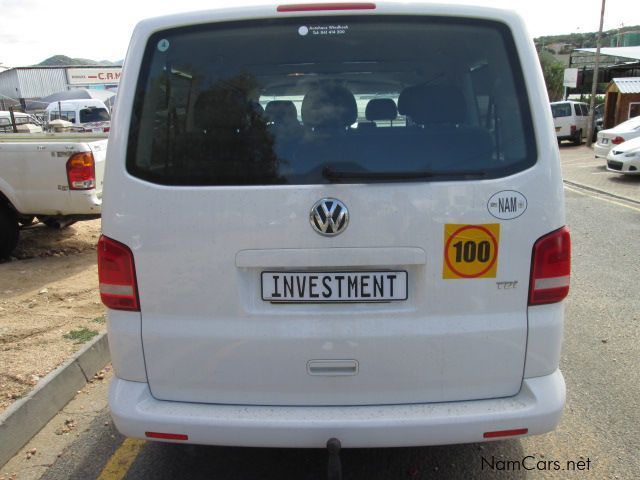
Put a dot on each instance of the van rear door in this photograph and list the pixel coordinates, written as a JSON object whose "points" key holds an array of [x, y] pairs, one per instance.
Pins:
{"points": [[331, 215]]}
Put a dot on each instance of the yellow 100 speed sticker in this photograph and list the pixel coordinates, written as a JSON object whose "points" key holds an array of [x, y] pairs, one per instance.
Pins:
{"points": [[471, 251]]}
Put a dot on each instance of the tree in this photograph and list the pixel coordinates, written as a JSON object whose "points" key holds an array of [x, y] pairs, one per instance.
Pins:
{"points": [[553, 71]]}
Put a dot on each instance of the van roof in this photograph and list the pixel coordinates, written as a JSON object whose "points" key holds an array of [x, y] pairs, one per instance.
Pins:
{"points": [[81, 102], [247, 11]]}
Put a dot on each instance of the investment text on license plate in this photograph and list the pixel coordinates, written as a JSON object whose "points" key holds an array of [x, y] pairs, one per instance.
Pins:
{"points": [[310, 287]]}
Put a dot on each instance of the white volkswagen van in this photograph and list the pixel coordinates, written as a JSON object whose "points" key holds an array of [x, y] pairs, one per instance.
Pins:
{"points": [[334, 221]]}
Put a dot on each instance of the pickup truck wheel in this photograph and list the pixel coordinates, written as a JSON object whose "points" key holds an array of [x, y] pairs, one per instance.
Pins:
{"points": [[9, 231]]}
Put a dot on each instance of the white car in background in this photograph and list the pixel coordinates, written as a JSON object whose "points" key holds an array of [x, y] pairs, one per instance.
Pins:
{"points": [[625, 158], [607, 139]]}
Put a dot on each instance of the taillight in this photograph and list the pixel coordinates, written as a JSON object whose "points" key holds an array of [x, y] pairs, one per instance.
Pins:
{"points": [[550, 268], [315, 7], [81, 171], [117, 275], [617, 140], [166, 436], [106, 129], [506, 433]]}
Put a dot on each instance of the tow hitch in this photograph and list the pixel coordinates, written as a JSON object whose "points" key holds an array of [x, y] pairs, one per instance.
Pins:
{"points": [[334, 466]]}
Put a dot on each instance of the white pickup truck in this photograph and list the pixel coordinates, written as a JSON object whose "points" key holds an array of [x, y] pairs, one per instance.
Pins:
{"points": [[54, 177]]}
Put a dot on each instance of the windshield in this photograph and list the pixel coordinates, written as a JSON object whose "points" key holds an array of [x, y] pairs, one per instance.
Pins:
{"points": [[561, 110], [286, 101], [94, 114]]}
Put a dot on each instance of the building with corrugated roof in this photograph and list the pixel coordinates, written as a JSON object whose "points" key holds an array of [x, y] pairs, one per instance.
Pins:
{"points": [[622, 100], [22, 84], [615, 62]]}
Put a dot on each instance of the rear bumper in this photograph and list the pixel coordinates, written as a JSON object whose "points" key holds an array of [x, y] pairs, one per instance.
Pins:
{"points": [[537, 407], [601, 151], [87, 202], [565, 137]]}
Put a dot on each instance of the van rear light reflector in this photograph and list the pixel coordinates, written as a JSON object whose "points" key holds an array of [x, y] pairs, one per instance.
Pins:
{"points": [[166, 436], [550, 268], [506, 433], [117, 275], [316, 7], [81, 171]]}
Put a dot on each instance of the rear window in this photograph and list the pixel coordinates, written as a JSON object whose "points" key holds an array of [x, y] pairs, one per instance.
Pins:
{"points": [[561, 110], [330, 99], [94, 114]]}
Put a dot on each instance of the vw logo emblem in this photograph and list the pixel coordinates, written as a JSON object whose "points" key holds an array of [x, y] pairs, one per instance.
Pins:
{"points": [[329, 217]]}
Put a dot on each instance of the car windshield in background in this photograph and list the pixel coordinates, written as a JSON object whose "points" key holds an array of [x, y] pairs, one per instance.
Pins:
{"points": [[330, 99], [561, 110], [93, 114]]}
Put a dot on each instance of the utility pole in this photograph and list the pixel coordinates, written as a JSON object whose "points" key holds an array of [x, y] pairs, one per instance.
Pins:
{"points": [[594, 86]]}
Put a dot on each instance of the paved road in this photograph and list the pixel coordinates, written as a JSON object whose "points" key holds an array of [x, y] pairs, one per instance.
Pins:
{"points": [[600, 361], [580, 166]]}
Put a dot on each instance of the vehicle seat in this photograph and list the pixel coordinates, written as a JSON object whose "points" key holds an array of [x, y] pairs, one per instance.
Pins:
{"points": [[381, 109], [282, 116], [442, 129], [329, 109]]}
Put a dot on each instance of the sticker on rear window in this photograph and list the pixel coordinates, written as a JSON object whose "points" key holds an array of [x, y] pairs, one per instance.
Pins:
{"points": [[163, 45], [324, 29], [471, 251]]}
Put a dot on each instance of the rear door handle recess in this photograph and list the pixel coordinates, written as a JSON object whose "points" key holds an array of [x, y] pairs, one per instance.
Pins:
{"points": [[332, 368]]}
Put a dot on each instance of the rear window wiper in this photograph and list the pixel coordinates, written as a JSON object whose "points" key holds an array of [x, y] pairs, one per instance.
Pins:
{"points": [[337, 175]]}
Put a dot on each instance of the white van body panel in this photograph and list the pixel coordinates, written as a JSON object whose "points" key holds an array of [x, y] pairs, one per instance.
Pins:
{"points": [[209, 338]]}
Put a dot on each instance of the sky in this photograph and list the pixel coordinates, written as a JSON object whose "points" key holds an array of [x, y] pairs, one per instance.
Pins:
{"points": [[33, 30]]}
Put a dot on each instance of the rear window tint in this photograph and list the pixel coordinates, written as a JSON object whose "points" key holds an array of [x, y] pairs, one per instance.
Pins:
{"points": [[561, 110], [326, 99], [93, 114]]}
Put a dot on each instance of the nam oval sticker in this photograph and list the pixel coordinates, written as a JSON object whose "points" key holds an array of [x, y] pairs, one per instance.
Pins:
{"points": [[507, 204]]}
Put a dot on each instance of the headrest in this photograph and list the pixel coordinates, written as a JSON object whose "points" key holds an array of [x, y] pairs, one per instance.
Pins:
{"points": [[329, 106], [381, 109], [443, 104], [281, 111]]}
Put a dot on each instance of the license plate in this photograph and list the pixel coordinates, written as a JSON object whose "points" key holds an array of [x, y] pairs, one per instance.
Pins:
{"points": [[605, 141], [334, 287]]}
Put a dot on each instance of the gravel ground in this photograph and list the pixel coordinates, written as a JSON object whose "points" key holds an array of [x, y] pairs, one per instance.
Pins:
{"points": [[49, 304]]}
